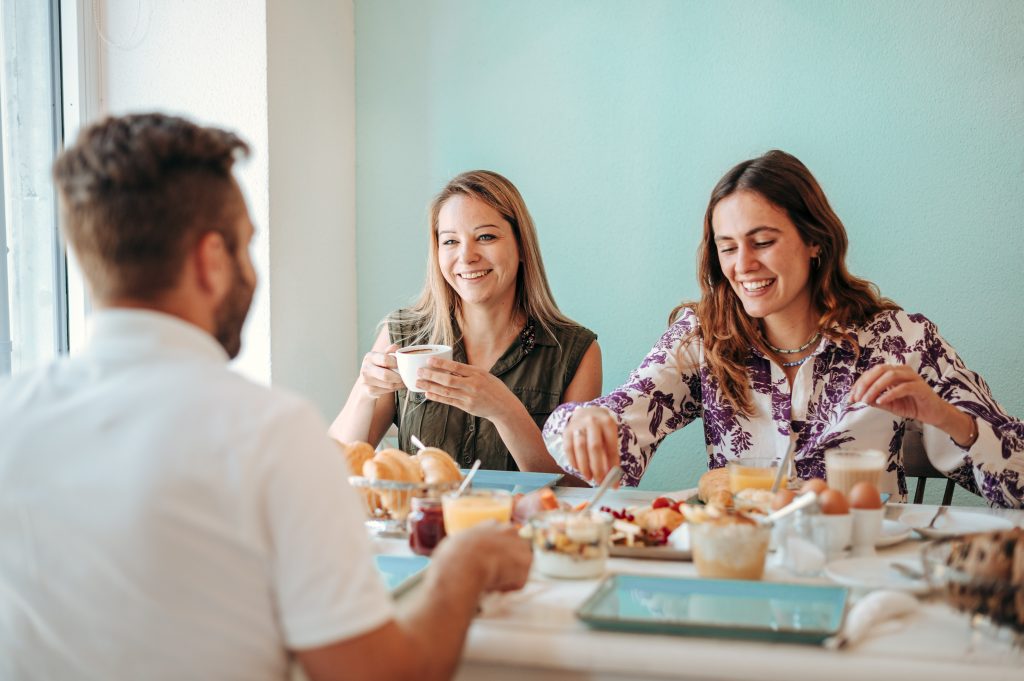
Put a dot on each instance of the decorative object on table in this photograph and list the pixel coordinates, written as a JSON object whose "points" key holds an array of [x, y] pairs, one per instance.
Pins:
{"points": [[767, 611], [981, 574], [400, 572], [870, 611], [952, 523], [868, 574], [571, 544]]}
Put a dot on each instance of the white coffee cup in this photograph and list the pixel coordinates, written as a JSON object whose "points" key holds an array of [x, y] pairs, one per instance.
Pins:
{"points": [[410, 360]]}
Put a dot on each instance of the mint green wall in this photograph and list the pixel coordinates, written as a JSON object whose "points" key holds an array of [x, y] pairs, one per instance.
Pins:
{"points": [[615, 119]]}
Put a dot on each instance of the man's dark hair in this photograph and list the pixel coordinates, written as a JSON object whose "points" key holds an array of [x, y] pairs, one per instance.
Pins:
{"points": [[138, 192]]}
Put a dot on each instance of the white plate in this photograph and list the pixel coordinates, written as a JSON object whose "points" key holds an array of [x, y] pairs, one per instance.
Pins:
{"points": [[893, 532], [875, 573], [952, 522]]}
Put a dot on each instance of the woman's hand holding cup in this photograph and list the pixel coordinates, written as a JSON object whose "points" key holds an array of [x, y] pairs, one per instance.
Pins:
{"points": [[591, 442], [378, 374]]}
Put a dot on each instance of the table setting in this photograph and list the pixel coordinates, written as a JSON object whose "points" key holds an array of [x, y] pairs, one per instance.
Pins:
{"points": [[895, 589]]}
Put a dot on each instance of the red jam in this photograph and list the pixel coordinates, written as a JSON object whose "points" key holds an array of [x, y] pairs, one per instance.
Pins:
{"points": [[426, 526]]}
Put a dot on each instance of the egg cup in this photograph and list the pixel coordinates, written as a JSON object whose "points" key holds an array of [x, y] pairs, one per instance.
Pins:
{"points": [[867, 526]]}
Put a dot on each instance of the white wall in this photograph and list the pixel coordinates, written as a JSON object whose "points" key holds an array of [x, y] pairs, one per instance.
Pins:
{"points": [[281, 75]]}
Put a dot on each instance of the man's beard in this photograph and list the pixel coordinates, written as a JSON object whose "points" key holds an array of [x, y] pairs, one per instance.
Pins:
{"points": [[230, 315]]}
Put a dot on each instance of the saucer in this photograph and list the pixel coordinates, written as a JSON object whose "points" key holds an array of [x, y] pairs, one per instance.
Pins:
{"points": [[952, 523], [893, 532], [876, 573]]}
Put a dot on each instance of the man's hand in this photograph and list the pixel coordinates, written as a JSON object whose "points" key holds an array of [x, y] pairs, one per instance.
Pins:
{"points": [[493, 552]]}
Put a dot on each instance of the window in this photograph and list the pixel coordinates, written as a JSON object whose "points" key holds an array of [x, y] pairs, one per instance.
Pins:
{"points": [[33, 272]]}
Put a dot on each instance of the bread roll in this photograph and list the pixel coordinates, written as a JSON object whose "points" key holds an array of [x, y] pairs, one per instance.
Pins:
{"points": [[392, 464], [713, 488], [437, 466], [356, 454]]}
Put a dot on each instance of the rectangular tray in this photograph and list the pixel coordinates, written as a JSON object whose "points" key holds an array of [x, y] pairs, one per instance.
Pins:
{"points": [[516, 482], [718, 608], [400, 572]]}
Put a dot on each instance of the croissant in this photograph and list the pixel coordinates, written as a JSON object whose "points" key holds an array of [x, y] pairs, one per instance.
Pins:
{"points": [[713, 488], [392, 464], [437, 466], [356, 454]]}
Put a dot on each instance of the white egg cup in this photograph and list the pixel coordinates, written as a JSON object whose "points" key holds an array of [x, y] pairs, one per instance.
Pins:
{"points": [[832, 533], [867, 527]]}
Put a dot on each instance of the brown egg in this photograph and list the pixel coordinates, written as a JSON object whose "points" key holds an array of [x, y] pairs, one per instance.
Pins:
{"points": [[833, 502], [865, 495], [816, 485], [782, 498]]}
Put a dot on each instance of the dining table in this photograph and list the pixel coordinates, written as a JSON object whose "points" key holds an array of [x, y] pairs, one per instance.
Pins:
{"points": [[535, 634]]}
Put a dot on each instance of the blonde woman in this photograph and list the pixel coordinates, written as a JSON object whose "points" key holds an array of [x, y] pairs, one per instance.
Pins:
{"points": [[516, 356]]}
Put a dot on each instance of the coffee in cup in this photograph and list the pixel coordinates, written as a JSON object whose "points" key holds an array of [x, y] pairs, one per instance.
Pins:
{"points": [[410, 360], [844, 469]]}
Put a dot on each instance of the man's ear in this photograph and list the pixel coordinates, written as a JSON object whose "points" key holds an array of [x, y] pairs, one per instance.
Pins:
{"points": [[213, 265]]}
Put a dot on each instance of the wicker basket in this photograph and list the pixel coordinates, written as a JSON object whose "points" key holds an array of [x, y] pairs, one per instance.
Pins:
{"points": [[387, 502]]}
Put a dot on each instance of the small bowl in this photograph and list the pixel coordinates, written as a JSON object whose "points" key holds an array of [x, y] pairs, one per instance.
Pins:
{"points": [[730, 547], [570, 545]]}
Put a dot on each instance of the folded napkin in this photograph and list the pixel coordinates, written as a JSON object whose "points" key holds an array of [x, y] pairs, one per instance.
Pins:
{"points": [[870, 611]]}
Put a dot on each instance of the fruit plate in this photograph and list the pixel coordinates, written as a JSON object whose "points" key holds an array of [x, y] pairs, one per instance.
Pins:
{"points": [[719, 608], [400, 572], [648, 552], [516, 482]]}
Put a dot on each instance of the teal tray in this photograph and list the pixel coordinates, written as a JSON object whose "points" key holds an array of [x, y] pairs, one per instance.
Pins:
{"points": [[400, 572], [516, 482], [718, 608]]}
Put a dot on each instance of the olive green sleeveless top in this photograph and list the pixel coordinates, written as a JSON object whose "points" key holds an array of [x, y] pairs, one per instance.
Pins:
{"points": [[537, 368]]}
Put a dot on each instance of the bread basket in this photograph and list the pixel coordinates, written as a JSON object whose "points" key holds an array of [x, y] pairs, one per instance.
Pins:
{"points": [[387, 502]]}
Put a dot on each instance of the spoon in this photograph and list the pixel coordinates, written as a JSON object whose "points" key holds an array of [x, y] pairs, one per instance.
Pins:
{"points": [[416, 441], [469, 477], [613, 475], [783, 467], [802, 501]]}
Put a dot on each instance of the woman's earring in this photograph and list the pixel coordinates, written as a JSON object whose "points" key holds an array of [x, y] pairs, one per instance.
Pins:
{"points": [[815, 261]]}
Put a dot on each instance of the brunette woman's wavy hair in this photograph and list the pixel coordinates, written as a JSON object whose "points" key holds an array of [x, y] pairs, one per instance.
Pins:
{"points": [[841, 299]]}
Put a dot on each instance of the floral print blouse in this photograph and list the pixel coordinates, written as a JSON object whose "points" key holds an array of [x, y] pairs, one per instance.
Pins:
{"points": [[673, 386]]}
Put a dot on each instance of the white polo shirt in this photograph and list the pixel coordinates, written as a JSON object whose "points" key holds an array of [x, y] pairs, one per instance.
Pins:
{"points": [[163, 517]]}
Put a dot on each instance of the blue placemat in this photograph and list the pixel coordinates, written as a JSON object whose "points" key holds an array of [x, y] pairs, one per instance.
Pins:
{"points": [[400, 572], [767, 611], [513, 481]]}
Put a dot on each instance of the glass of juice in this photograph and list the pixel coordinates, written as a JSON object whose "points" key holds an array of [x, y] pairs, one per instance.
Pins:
{"points": [[754, 473], [473, 507]]}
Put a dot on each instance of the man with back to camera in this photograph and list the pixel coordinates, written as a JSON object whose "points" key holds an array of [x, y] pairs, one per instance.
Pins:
{"points": [[160, 515]]}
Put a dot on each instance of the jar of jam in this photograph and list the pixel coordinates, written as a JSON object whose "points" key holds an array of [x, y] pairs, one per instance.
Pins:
{"points": [[426, 525]]}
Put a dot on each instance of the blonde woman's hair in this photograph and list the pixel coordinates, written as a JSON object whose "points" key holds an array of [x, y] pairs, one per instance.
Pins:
{"points": [[431, 316]]}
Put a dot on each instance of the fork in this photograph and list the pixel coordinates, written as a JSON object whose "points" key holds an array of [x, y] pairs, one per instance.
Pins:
{"points": [[938, 514]]}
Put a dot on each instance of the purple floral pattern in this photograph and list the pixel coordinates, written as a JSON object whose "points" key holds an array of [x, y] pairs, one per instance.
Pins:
{"points": [[672, 387]]}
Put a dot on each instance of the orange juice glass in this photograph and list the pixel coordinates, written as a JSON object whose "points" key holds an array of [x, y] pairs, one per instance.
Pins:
{"points": [[757, 473], [473, 507]]}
